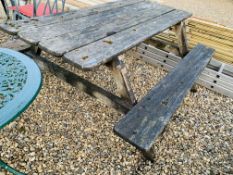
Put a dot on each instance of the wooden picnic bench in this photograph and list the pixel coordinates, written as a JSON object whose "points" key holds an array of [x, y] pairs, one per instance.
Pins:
{"points": [[98, 36], [91, 37], [149, 117]]}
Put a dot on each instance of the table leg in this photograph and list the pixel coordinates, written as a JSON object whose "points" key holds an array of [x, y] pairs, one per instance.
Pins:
{"points": [[149, 154], [121, 78], [180, 31], [80, 83]]}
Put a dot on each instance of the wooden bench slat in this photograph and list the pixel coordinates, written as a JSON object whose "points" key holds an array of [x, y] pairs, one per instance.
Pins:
{"points": [[70, 30], [148, 118], [13, 27], [70, 41], [102, 51]]}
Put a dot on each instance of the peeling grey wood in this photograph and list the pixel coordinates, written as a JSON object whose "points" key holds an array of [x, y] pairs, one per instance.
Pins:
{"points": [[105, 49], [180, 31], [13, 27], [120, 75], [78, 26], [69, 31], [70, 41], [143, 124], [91, 89]]}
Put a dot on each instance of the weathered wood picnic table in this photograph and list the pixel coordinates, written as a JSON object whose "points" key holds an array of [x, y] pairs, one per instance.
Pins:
{"points": [[91, 37], [98, 36]]}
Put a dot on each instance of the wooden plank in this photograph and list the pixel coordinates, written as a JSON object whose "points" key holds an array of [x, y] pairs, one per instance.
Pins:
{"points": [[208, 33], [119, 72], [210, 26], [149, 117], [180, 31], [207, 36], [55, 29], [73, 28], [218, 45], [103, 50], [13, 27], [70, 41], [223, 52], [223, 34]]}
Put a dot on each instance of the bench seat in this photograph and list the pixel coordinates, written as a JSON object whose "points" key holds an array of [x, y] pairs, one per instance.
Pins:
{"points": [[146, 121]]}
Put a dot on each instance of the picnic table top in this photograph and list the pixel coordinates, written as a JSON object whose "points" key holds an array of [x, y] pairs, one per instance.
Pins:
{"points": [[93, 36], [20, 82]]}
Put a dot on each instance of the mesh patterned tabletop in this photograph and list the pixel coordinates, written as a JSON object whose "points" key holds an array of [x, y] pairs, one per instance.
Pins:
{"points": [[20, 82]]}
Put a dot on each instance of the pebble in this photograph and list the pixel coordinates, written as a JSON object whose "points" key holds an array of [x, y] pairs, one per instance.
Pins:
{"points": [[67, 132]]}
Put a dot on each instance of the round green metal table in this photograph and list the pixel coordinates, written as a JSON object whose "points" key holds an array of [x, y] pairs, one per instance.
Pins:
{"points": [[20, 82]]}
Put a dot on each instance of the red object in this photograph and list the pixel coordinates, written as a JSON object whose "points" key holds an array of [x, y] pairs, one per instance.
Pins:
{"points": [[27, 10]]}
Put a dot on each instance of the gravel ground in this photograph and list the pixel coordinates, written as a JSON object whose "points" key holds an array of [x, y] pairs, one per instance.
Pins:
{"points": [[65, 131]]}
